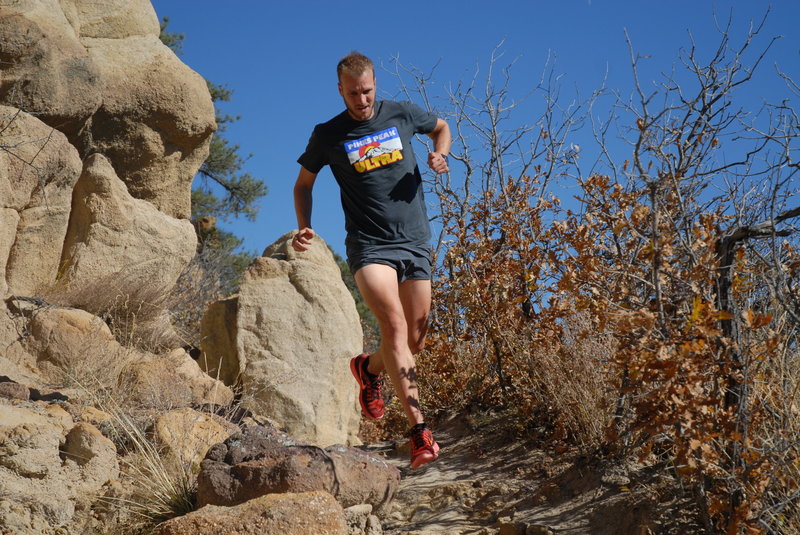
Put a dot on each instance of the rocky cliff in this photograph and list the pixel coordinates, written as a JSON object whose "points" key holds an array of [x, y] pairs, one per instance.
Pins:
{"points": [[102, 129]]}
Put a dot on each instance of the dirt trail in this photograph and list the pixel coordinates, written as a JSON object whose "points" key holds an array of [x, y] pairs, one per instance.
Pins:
{"points": [[485, 484]]}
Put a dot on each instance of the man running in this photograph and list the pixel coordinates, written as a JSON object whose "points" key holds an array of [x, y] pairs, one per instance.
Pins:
{"points": [[368, 147]]}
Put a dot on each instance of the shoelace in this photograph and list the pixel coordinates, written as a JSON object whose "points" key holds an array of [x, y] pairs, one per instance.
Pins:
{"points": [[373, 390], [421, 438]]}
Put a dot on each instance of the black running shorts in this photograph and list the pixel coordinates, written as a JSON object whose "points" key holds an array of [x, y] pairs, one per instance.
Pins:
{"points": [[411, 261]]}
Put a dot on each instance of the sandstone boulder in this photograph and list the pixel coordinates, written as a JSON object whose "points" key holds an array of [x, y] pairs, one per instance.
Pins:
{"points": [[361, 521], [38, 170], [205, 390], [93, 415], [69, 346], [171, 381], [296, 328], [30, 438], [73, 346], [15, 361], [186, 436], [111, 19], [115, 239], [262, 460], [306, 513], [98, 72], [41, 483], [94, 453], [155, 121], [44, 69]]}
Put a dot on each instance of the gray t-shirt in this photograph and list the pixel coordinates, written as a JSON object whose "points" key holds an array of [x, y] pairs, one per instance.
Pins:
{"points": [[374, 163]]}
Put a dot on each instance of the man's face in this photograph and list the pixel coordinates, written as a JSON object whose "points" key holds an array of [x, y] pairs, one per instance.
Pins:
{"points": [[358, 93]]}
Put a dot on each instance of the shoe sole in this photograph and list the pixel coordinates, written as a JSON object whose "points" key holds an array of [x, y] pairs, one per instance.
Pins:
{"points": [[354, 370], [426, 457]]}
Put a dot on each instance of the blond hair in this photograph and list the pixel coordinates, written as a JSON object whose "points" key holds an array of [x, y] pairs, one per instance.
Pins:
{"points": [[354, 64]]}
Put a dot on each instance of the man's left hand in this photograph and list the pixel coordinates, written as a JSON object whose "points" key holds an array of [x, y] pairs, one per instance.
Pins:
{"points": [[438, 162]]}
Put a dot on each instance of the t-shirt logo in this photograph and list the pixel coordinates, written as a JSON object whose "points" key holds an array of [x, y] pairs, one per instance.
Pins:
{"points": [[375, 150]]}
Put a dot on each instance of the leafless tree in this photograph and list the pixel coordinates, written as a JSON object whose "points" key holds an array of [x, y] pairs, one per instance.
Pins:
{"points": [[710, 228]]}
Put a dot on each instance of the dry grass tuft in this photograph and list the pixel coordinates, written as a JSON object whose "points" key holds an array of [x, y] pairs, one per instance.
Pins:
{"points": [[572, 381], [159, 487], [137, 313]]}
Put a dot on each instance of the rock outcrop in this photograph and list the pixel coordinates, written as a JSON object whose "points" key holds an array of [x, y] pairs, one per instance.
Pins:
{"points": [[16, 363], [98, 72], [43, 449], [113, 235], [72, 345], [185, 435], [91, 81], [102, 129], [45, 69], [275, 514], [38, 172], [170, 381], [287, 339], [262, 460], [155, 121]]}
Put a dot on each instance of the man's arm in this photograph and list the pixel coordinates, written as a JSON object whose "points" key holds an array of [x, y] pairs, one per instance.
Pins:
{"points": [[437, 160], [303, 202]]}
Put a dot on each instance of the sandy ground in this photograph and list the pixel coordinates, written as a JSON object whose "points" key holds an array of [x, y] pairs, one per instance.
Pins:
{"points": [[487, 484]]}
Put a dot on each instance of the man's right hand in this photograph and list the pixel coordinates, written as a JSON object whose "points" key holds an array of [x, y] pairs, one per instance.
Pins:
{"points": [[302, 240]]}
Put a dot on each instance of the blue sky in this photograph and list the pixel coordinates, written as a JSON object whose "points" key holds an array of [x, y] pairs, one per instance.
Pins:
{"points": [[279, 58]]}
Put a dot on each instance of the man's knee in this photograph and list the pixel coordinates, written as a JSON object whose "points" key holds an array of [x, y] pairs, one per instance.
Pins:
{"points": [[393, 326]]}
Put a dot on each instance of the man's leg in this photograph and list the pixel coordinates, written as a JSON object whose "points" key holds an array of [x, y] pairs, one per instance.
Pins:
{"points": [[415, 295], [381, 291]]}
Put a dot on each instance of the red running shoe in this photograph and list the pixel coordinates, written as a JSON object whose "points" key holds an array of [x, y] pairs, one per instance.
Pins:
{"points": [[423, 448], [370, 395]]}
